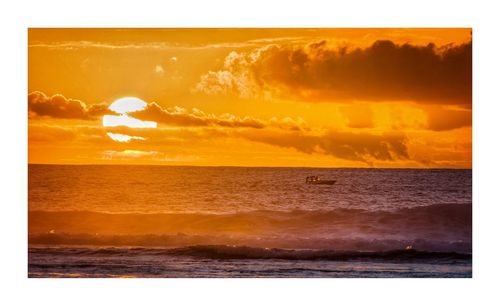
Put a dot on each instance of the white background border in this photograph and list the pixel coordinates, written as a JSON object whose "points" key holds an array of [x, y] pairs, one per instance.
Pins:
{"points": [[17, 16]]}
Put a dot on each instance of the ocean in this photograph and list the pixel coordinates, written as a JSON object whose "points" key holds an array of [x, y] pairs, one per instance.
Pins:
{"points": [[169, 221]]}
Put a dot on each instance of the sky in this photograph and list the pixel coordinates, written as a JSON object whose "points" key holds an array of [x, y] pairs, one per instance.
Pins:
{"points": [[396, 98]]}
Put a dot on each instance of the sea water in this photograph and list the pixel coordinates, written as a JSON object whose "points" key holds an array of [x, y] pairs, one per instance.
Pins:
{"points": [[164, 221]]}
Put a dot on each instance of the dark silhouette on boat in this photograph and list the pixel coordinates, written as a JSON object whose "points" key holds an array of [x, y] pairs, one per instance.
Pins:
{"points": [[317, 181]]}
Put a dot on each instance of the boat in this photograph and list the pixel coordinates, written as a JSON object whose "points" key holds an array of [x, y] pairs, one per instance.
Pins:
{"points": [[323, 182], [317, 181]]}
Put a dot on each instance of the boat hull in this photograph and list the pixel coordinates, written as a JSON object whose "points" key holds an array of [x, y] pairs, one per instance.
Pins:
{"points": [[322, 182]]}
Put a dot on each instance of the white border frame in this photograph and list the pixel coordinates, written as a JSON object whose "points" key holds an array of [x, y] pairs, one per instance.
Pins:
{"points": [[16, 17]]}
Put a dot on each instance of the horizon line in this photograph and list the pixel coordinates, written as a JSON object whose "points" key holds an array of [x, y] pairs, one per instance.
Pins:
{"points": [[232, 166]]}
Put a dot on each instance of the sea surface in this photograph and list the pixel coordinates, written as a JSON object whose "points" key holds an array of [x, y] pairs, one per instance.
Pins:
{"points": [[164, 221]]}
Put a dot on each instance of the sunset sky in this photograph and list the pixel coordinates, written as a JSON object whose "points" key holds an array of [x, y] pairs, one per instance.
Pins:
{"points": [[251, 97]]}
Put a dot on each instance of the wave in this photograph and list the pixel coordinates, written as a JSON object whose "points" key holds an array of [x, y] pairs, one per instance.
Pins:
{"points": [[246, 252], [436, 227], [449, 215], [179, 240]]}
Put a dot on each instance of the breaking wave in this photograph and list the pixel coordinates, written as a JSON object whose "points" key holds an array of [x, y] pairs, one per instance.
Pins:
{"points": [[441, 227], [361, 244], [245, 252]]}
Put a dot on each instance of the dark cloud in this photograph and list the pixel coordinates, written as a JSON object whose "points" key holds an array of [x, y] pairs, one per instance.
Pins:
{"points": [[58, 106], [352, 146], [385, 71]]}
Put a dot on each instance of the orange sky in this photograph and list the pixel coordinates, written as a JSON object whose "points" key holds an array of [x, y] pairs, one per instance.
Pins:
{"points": [[253, 97]]}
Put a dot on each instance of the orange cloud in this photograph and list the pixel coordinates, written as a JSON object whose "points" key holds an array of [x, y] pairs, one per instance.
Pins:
{"points": [[351, 146], [179, 116], [385, 71], [448, 119], [49, 134], [125, 154], [358, 116], [58, 106], [362, 147]]}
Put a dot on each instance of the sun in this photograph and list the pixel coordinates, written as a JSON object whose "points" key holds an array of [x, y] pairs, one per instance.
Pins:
{"points": [[127, 105], [123, 107]]}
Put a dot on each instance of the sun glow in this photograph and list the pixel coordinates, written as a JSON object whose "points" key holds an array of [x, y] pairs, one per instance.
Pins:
{"points": [[123, 137], [123, 106], [252, 97], [127, 105], [125, 120]]}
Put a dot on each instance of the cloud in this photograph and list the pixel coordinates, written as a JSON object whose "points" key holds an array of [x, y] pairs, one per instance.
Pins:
{"points": [[149, 155], [179, 116], [358, 116], [288, 123], [49, 134], [159, 71], [443, 120], [363, 147], [384, 71], [128, 154], [58, 106], [236, 77]]}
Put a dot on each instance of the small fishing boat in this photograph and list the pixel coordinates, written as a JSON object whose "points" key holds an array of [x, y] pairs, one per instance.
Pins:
{"points": [[317, 181]]}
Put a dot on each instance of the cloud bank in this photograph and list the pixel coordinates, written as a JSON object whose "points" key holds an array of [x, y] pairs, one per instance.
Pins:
{"points": [[58, 106], [181, 117], [385, 71], [363, 147]]}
